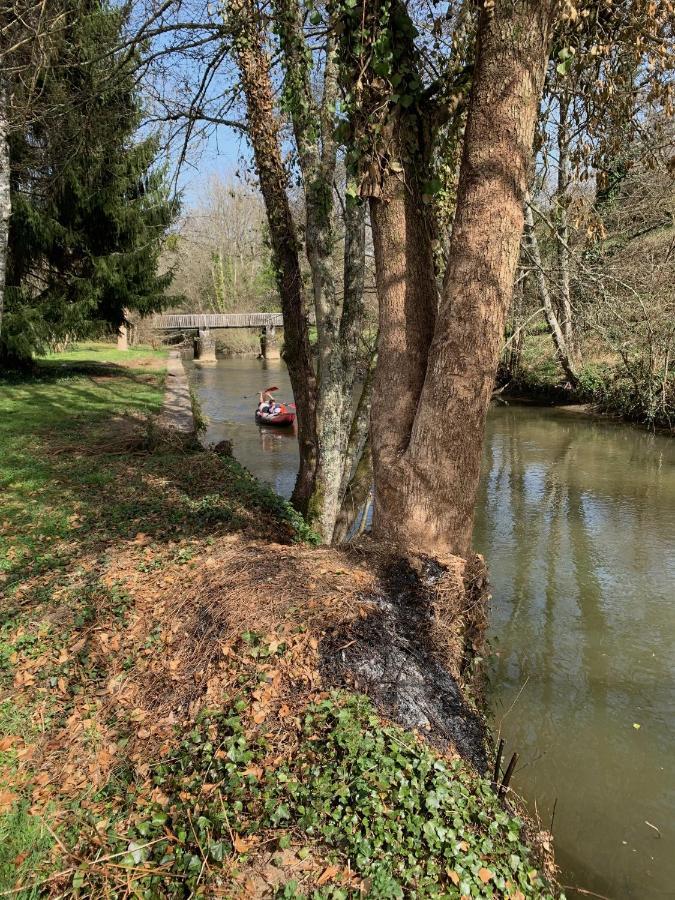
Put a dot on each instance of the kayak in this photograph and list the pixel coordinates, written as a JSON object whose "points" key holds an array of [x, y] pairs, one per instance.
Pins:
{"points": [[279, 420]]}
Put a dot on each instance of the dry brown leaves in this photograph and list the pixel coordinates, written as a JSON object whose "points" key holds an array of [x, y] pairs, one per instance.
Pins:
{"points": [[179, 650]]}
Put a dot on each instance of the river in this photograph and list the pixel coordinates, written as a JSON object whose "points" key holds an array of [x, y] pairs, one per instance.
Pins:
{"points": [[576, 518]]}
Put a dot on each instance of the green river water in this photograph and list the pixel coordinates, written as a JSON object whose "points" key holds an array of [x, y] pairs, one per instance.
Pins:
{"points": [[576, 518]]}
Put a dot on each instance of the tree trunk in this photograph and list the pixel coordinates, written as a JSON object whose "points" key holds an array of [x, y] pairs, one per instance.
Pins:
{"points": [[337, 322], [356, 497], [427, 470], [337, 378], [5, 196], [263, 131], [407, 297], [562, 349], [563, 236]]}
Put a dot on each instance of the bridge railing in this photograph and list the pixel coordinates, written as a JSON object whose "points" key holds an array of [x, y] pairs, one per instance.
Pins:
{"points": [[180, 321]]}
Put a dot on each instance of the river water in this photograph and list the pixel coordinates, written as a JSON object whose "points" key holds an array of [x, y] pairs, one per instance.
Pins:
{"points": [[576, 518]]}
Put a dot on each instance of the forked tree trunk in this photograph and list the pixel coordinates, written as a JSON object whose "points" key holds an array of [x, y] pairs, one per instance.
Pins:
{"points": [[263, 130], [5, 196], [426, 480]]}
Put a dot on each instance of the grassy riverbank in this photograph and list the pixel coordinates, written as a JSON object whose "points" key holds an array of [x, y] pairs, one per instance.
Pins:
{"points": [[603, 383], [167, 723]]}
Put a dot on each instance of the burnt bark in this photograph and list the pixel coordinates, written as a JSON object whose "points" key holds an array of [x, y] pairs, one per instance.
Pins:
{"points": [[263, 131], [427, 471]]}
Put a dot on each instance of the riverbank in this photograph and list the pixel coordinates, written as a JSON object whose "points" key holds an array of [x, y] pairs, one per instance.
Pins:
{"points": [[176, 665], [604, 388]]}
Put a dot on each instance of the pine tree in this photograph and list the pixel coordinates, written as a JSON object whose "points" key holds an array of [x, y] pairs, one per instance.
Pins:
{"points": [[89, 207]]}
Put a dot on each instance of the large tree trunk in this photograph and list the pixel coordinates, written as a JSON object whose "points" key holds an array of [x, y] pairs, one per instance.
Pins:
{"points": [[426, 480], [407, 295], [5, 196], [263, 131], [337, 320]]}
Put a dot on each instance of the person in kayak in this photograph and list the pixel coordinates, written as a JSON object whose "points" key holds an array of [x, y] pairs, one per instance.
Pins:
{"points": [[268, 405], [265, 401]]}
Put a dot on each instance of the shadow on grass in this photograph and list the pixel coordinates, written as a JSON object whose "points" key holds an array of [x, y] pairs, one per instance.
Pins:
{"points": [[78, 478]]}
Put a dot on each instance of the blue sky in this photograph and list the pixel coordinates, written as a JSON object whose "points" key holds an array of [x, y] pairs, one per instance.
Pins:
{"points": [[223, 153]]}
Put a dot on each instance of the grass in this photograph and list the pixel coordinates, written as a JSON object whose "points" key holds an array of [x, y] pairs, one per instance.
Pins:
{"points": [[101, 353], [165, 729]]}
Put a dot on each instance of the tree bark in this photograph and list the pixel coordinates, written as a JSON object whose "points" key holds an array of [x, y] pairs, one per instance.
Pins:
{"points": [[427, 471], [5, 195], [562, 349], [356, 496], [263, 131], [407, 297], [337, 321], [337, 378], [563, 236]]}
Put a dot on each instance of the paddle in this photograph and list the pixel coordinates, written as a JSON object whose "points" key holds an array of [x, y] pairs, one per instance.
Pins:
{"points": [[270, 389]]}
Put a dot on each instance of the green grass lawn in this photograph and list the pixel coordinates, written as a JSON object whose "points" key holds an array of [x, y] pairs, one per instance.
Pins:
{"points": [[98, 352], [73, 395]]}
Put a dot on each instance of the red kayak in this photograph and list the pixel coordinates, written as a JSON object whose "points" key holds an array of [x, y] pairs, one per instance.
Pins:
{"points": [[282, 419]]}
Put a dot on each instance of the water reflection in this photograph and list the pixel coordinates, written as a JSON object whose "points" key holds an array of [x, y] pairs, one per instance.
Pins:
{"points": [[577, 521]]}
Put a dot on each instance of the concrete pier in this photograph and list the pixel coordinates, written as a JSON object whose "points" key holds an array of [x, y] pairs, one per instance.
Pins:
{"points": [[204, 347], [269, 346]]}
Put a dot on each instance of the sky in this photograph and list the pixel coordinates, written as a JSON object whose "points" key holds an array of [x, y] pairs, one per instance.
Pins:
{"points": [[225, 153]]}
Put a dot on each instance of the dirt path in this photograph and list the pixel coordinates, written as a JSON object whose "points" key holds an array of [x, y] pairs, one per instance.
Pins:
{"points": [[177, 410]]}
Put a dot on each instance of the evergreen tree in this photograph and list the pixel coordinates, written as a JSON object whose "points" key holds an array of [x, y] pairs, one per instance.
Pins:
{"points": [[89, 207]]}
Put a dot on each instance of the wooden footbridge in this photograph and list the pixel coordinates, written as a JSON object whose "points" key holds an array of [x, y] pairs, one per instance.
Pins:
{"points": [[204, 323]]}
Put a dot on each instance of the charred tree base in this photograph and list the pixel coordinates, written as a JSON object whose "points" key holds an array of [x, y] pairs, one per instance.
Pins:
{"points": [[411, 652]]}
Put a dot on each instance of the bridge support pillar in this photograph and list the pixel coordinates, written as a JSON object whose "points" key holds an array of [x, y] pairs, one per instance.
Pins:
{"points": [[123, 337], [204, 347], [269, 346]]}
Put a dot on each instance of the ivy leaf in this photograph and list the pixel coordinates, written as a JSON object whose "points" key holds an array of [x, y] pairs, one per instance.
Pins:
{"points": [[315, 17]]}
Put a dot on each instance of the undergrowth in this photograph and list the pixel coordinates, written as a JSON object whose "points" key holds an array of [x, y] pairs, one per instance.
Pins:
{"points": [[625, 389], [378, 810]]}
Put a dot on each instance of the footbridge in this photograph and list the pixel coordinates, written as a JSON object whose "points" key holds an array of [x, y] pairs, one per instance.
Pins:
{"points": [[204, 323]]}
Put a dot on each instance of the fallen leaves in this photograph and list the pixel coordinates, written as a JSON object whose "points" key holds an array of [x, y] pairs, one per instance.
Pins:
{"points": [[485, 875], [241, 845], [327, 875], [7, 800]]}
